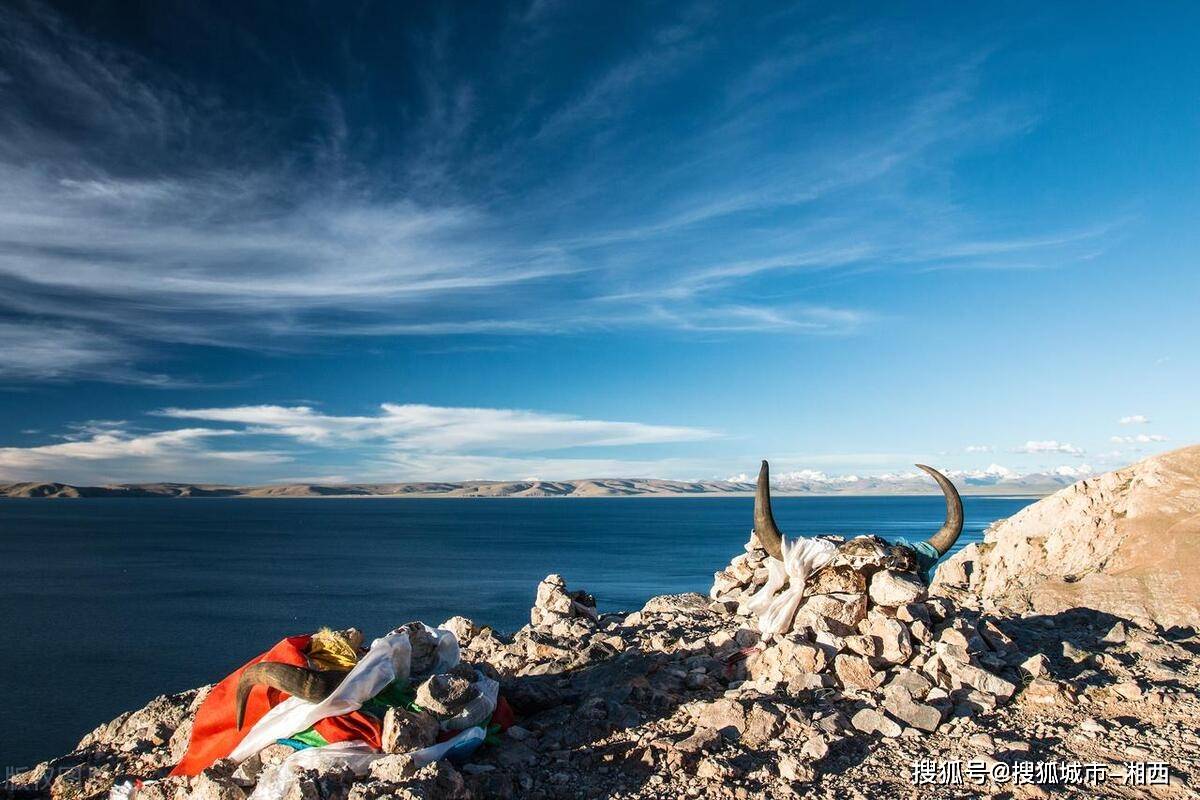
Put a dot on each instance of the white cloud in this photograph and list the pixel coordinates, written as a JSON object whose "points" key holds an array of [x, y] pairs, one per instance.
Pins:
{"points": [[401, 442], [110, 453], [1049, 446], [1082, 471], [437, 428], [978, 448], [1134, 419], [1141, 438]]}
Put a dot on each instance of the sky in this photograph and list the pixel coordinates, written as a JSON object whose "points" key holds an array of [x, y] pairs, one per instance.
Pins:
{"points": [[249, 243]]}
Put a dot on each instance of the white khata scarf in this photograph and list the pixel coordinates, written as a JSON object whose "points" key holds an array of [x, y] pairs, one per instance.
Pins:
{"points": [[774, 608]]}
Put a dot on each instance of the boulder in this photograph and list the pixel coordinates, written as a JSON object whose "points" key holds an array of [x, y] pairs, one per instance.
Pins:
{"points": [[405, 731], [445, 694], [900, 704], [763, 721], [555, 604], [970, 676], [872, 720], [855, 672], [724, 714], [891, 588], [843, 609], [788, 657], [893, 641]]}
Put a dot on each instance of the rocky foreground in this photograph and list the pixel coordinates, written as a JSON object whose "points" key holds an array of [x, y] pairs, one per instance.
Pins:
{"points": [[683, 699]]}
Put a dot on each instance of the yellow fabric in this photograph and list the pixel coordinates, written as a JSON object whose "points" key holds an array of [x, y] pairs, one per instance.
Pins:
{"points": [[331, 650]]}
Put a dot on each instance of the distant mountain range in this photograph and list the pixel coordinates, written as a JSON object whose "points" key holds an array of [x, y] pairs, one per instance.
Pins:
{"points": [[800, 483]]}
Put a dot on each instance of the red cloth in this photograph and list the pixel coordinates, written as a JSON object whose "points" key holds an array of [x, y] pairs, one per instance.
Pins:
{"points": [[215, 733], [503, 715]]}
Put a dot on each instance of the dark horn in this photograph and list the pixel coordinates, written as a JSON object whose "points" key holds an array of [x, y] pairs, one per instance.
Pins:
{"points": [[947, 535], [769, 535], [307, 684]]}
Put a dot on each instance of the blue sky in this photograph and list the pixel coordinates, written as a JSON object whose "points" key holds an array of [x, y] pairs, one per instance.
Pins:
{"points": [[447, 241]]}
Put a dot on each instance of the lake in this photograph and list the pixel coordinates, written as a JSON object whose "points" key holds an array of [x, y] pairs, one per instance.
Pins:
{"points": [[109, 602]]}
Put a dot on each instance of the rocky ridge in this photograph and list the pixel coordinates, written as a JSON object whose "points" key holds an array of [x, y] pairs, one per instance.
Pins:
{"points": [[1126, 543], [684, 698]]}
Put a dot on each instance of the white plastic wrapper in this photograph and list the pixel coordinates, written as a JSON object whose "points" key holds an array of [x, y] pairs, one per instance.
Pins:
{"points": [[774, 605]]}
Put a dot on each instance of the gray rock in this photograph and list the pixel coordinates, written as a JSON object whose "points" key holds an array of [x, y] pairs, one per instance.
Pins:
{"points": [[856, 672], [895, 644], [1116, 634], [1037, 666], [871, 720], [404, 730], [444, 694], [723, 714], [917, 684], [899, 703], [973, 677], [890, 588], [764, 721]]}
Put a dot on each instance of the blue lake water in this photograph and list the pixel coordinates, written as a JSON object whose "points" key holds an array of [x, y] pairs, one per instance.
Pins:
{"points": [[109, 602]]}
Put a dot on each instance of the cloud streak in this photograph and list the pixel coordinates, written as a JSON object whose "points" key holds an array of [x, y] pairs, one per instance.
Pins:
{"points": [[400, 442], [438, 428], [158, 211]]}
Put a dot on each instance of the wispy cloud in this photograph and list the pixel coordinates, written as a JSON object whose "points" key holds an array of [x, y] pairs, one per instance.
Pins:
{"points": [[425, 427], [145, 211], [1134, 419], [59, 351], [978, 448], [114, 454], [414, 442]]}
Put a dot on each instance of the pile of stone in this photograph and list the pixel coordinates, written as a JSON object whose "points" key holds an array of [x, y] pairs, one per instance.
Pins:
{"points": [[684, 698], [866, 627], [560, 611]]}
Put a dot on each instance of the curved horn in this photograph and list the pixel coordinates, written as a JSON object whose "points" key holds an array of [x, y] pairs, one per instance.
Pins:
{"points": [[307, 684], [768, 532], [947, 535]]}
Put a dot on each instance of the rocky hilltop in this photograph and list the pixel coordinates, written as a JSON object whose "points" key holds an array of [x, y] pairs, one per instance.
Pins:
{"points": [[879, 687], [1126, 543]]}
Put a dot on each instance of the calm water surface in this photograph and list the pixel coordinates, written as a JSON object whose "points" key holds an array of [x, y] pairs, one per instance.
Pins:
{"points": [[108, 602]]}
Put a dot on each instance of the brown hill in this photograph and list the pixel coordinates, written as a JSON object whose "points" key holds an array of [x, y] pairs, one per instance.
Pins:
{"points": [[1126, 542]]}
